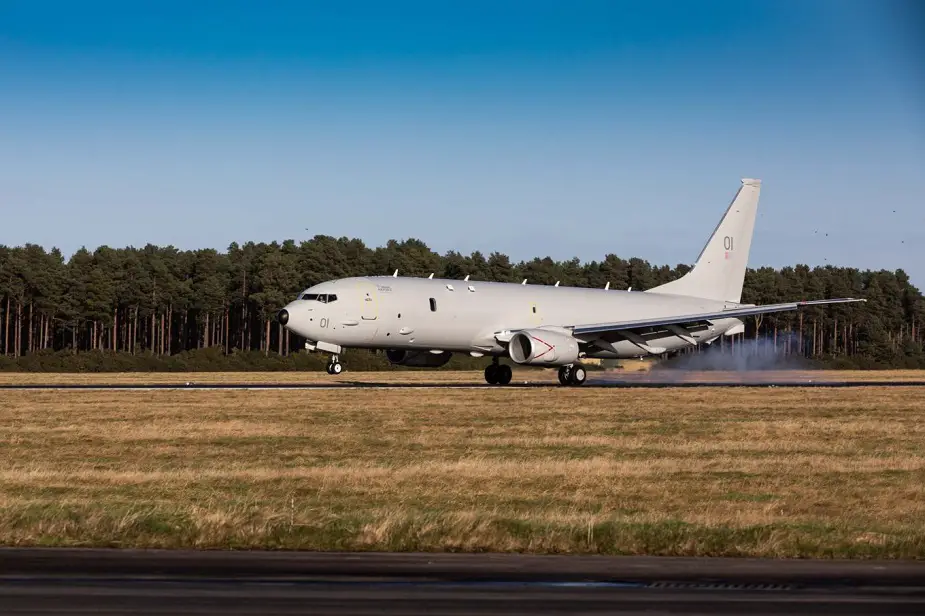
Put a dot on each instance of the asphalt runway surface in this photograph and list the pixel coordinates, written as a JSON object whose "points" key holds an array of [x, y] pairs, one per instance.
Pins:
{"points": [[347, 384], [84, 581]]}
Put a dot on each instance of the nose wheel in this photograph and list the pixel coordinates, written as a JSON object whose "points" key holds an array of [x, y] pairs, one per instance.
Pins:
{"points": [[334, 366], [574, 374]]}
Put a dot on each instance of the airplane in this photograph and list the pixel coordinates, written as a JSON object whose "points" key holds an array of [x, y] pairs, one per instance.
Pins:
{"points": [[423, 321]]}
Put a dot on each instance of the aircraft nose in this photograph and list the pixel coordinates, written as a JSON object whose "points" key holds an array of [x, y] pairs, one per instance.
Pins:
{"points": [[282, 316]]}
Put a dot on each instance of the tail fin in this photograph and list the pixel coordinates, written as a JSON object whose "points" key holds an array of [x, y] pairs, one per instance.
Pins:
{"points": [[719, 272]]}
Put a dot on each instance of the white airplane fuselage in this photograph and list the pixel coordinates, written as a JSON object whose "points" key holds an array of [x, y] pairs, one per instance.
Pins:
{"points": [[466, 316], [539, 324]]}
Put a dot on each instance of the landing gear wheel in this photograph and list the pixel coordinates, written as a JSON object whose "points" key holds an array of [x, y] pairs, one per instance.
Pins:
{"points": [[334, 366], [564, 373], [504, 374], [578, 375], [491, 374]]}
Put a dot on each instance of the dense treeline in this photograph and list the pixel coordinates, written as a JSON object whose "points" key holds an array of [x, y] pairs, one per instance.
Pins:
{"points": [[160, 302]]}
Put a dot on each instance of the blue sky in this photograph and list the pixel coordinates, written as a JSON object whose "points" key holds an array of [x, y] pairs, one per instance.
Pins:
{"points": [[534, 128]]}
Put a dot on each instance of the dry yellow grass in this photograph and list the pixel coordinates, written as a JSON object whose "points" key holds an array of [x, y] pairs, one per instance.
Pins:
{"points": [[774, 472], [445, 376], [144, 378]]}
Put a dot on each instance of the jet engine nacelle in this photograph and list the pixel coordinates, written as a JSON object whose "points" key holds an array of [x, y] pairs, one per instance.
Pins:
{"points": [[542, 347], [419, 359]]}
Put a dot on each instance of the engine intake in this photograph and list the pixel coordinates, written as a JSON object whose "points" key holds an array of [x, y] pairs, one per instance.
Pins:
{"points": [[419, 359], [542, 347]]}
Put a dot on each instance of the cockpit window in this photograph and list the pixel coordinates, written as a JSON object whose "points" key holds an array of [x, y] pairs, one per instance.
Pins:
{"points": [[323, 298]]}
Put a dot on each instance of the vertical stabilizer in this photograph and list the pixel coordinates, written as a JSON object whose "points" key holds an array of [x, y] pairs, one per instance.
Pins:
{"points": [[719, 272]]}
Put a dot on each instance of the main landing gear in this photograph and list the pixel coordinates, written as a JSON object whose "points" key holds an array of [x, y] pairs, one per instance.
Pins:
{"points": [[334, 366], [497, 373], [573, 374]]}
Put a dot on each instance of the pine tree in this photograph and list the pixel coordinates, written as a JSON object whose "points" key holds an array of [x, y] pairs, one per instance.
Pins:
{"points": [[163, 300]]}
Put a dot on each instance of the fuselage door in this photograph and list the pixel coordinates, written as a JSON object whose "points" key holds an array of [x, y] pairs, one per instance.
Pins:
{"points": [[369, 306]]}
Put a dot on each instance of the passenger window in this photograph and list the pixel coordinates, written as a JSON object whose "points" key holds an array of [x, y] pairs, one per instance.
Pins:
{"points": [[534, 310], [433, 305]]}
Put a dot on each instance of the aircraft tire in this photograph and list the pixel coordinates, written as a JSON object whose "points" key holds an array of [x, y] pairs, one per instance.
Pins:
{"points": [[337, 368], [578, 375], [491, 374], [564, 375], [504, 374]]}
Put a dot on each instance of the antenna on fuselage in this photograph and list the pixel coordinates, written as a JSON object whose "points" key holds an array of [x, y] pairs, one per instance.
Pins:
{"points": [[466, 279], [607, 286], [524, 282], [630, 289], [431, 277], [395, 274], [557, 283]]}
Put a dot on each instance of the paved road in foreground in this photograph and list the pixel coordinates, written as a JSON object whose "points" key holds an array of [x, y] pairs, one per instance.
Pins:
{"points": [[62, 581]]}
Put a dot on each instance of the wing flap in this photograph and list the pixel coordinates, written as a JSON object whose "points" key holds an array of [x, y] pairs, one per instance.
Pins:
{"points": [[730, 313]]}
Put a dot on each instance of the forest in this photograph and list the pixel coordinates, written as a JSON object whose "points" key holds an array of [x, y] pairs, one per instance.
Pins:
{"points": [[140, 308]]}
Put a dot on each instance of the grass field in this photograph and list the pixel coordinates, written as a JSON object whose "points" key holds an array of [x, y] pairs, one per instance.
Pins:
{"points": [[447, 376], [755, 471]]}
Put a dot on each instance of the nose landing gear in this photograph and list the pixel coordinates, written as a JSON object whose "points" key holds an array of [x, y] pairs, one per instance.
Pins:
{"points": [[334, 366], [573, 374]]}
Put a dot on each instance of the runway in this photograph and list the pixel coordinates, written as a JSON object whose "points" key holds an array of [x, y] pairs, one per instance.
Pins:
{"points": [[591, 383], [78, 581]]}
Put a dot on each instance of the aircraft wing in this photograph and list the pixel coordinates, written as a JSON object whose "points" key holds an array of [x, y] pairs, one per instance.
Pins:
{"points": [[730, 313]]}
